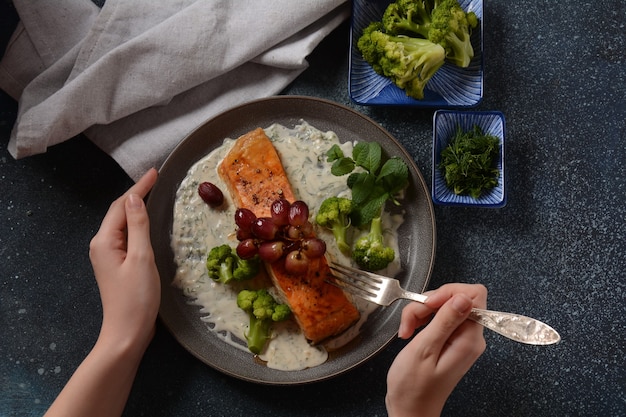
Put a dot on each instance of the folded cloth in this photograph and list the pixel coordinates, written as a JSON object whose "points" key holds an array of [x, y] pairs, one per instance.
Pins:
{"points": [[136, 77]]}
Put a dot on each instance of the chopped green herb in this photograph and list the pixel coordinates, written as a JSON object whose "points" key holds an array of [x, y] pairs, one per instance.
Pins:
{"points": [[468, 162]]}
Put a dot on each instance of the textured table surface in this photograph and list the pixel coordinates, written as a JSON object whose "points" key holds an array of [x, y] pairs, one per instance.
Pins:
{"points": [[555, 252]]}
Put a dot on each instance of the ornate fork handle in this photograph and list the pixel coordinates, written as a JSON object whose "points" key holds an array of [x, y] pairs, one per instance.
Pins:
{"points": [[514, 326]]}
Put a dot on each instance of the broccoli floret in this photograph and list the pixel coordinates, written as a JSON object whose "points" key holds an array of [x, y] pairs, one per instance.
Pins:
{"points": [[223, 265], [408, 17], [369, 48], [409, 62], [451, 28], [370, 252], [334, 213], [263, 310]]}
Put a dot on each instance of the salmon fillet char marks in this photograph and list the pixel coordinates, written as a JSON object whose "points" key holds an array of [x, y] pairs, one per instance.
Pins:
{"points": [[255, 177]]}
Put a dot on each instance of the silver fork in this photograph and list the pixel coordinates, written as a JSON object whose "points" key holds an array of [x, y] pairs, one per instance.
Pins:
{"points": [[384, 291]]}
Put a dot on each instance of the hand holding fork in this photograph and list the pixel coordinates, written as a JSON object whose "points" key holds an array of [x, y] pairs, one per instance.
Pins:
{"points": [[384, 291]]}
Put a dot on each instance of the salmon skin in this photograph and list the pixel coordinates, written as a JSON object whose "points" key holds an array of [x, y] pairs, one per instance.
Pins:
{"points": [[255, 177]]}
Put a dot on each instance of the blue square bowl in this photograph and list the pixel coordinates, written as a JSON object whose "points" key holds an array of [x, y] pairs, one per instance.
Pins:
{"points": [[450, 87], [445, 124]]}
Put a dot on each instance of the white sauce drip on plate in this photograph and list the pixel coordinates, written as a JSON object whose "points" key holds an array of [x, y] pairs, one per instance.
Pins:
{"points": [[197, 228]]}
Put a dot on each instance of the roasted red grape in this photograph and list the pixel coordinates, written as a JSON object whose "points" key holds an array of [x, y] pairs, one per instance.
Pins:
{"points": [[271, 251], [293, 233], [296, 262], [246, 249], [298, 213], [313, 247], [299, 232], [280, 211], [264, 228], [244, 218], [211, 194]]}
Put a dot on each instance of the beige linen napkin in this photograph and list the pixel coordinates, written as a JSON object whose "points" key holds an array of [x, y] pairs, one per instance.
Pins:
{"points": [[136, 76]]}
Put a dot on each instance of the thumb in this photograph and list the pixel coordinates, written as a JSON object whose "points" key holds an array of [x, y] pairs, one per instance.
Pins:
{"points": [[138, 224], [450, 316]]}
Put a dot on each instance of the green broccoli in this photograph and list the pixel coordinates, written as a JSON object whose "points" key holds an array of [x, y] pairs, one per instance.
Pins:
{"points": [[408, 17], [370, 252], [369, 48], [407, 61], [263, 310], [334, 213], [223, 265], [451, 28]]}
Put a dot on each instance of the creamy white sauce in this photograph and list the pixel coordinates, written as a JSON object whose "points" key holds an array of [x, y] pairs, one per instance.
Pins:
{"points": [[197, 228]]}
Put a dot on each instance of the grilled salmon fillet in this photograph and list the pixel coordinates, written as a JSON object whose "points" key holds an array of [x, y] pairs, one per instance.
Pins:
{"points": [[255, 177]]}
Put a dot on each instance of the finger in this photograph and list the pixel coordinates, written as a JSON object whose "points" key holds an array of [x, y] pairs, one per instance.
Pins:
{"points": [[414, 316], [138, 226], [448, 318], [468, 341], [115, 218], [477, 292], [144, 185]]}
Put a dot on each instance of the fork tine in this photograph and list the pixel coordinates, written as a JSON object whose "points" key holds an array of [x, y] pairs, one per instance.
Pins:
{"points": [[354, 274], [350, 288], [353, 284], [375, 288]]}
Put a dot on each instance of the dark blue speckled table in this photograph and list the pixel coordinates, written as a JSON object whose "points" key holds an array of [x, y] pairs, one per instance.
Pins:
{"points": [[556, 251]]}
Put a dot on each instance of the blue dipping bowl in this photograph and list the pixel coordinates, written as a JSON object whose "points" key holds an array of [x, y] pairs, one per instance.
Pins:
{"points": [[445, 124]]}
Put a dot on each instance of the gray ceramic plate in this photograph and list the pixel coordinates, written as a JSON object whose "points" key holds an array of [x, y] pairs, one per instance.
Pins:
{"points": [[417, 236]]}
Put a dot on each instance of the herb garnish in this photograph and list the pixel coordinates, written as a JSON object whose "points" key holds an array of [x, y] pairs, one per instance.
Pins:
{"points": [[467, 163], [374, 184]]}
